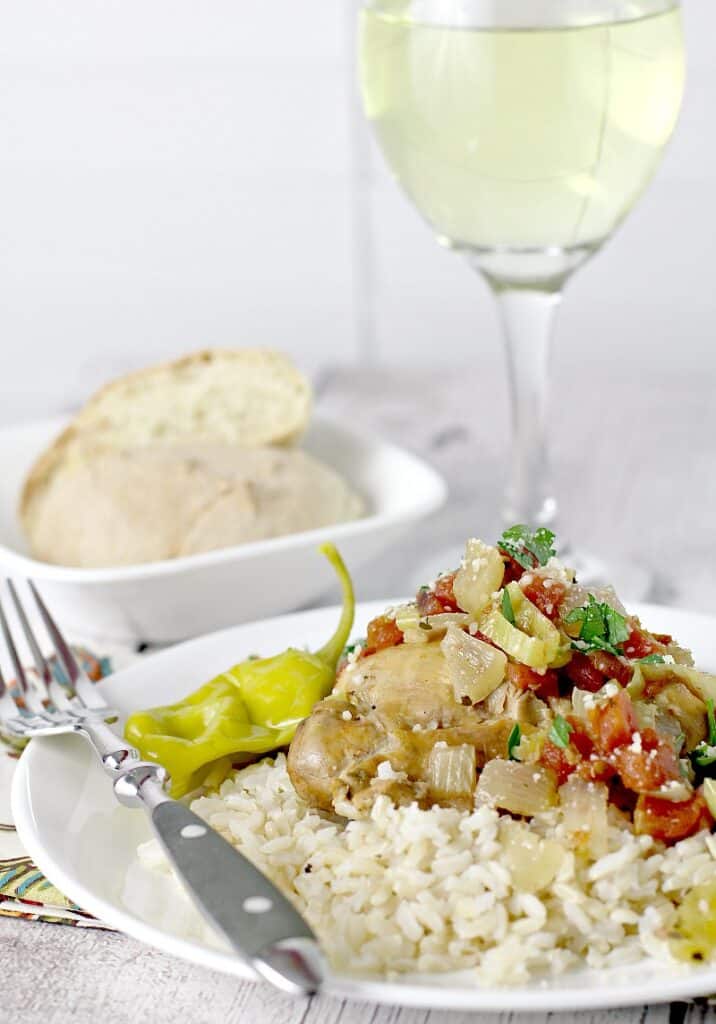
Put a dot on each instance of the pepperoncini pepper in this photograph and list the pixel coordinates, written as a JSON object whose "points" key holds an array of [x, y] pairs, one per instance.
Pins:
{"points": [[253, 708]]}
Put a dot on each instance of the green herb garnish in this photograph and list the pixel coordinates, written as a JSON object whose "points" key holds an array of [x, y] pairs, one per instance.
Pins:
{"points": [[526, 547], [560, 732], [705, 754], [653, 659], [513, 741], [424, 624], [602, 628], [711, 718], [507, 609]]}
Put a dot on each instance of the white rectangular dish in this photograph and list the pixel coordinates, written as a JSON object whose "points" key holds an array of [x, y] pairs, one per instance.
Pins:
{"points": [[162, 602]]}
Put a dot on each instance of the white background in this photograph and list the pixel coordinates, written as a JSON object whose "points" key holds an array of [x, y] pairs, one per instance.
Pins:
{"points": [[178, 174]]}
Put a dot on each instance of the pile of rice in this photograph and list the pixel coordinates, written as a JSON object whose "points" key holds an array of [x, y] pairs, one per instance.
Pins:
{"points": [[411, 890]]}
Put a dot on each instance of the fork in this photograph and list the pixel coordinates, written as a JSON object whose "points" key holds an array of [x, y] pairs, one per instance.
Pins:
{"points": [[260, 924]]}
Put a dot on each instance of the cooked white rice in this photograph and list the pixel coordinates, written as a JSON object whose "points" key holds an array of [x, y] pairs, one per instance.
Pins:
{"points": [[410, 890]]}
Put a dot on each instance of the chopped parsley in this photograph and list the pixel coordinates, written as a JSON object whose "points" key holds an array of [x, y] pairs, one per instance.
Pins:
{"points": [[602, 628], [653, 659], [507, 609], [705, 754], [526, 547], [711, 718], [560, 732], [513, 741]]}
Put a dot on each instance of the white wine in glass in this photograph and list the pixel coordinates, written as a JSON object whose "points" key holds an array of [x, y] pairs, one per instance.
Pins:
{"points": [[524, 131]]}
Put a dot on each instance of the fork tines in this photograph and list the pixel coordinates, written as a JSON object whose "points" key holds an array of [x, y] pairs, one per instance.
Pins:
{"points": [[21, 688]]}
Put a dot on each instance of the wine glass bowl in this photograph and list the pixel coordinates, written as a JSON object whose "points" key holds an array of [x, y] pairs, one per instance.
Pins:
{"points": [[524, 133]]}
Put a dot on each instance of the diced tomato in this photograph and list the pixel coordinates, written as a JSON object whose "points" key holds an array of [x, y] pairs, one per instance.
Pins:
{"points": [[613, 722], [513, 569], [382, 632], [579, 737], [428, 603], [639, 644], [562, 760], [582, 672], [440, 598], [648, 764], [663, 638], [596, 769], [444, 591], [547, 594], [545, 684], [485, 639], [670, 821], [611, 667]]}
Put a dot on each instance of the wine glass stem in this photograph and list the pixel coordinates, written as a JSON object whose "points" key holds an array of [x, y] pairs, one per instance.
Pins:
{"points": [[528, 318]]}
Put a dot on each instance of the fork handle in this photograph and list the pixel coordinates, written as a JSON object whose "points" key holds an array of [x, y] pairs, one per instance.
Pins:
{"points": [[115, 754], [261, 925]]}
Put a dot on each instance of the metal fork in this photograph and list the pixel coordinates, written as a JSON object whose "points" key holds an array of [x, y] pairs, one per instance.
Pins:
{"points": [[261, 925]]}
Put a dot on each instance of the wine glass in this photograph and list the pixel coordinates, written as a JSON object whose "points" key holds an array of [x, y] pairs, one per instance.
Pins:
{"points": [[524, 131]]}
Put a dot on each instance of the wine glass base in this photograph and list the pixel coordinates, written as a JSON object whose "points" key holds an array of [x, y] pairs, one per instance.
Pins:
{"points": [[631, 580]]}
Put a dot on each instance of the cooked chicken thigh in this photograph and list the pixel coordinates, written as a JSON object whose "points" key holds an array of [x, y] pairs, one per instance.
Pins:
{"points": [[380, 728]]}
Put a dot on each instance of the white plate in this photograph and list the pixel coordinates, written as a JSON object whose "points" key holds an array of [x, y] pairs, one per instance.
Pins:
{"points": [[172, 600], [74, 831]]}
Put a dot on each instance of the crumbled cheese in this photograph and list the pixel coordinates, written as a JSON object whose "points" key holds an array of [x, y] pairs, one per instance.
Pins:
{"points": [[386, 771], [675, 790], [635, 745], [610, 690], [527, 579], [354, 654], [557, 571], [473, 629], [417, 727], [346, 716], [703, 906]]}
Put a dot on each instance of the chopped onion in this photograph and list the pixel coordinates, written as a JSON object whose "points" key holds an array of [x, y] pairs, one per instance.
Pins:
{"points": [[479, 577], [531, 861], [709, 792], [703, 684], [452, 771], [515, 787], [577, 596], [422, 629], [475, 668], [584, 808], [533, 640]]}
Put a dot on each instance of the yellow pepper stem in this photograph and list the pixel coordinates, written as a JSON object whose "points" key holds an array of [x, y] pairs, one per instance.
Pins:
{"points": [[331, 652]]}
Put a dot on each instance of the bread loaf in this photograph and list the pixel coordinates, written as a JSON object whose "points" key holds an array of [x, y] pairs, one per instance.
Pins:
{"points": [[113, 507], [247, 397]]}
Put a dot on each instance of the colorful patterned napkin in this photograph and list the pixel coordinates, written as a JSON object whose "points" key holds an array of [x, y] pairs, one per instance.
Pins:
{"points": [[24, 891]]}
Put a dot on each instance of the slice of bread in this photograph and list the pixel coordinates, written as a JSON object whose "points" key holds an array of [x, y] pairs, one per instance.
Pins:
{"points": [[247, 397], [115, 507]]}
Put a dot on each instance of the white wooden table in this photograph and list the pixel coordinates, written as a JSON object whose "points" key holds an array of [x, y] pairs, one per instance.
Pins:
{"points": [[636, 461]]}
